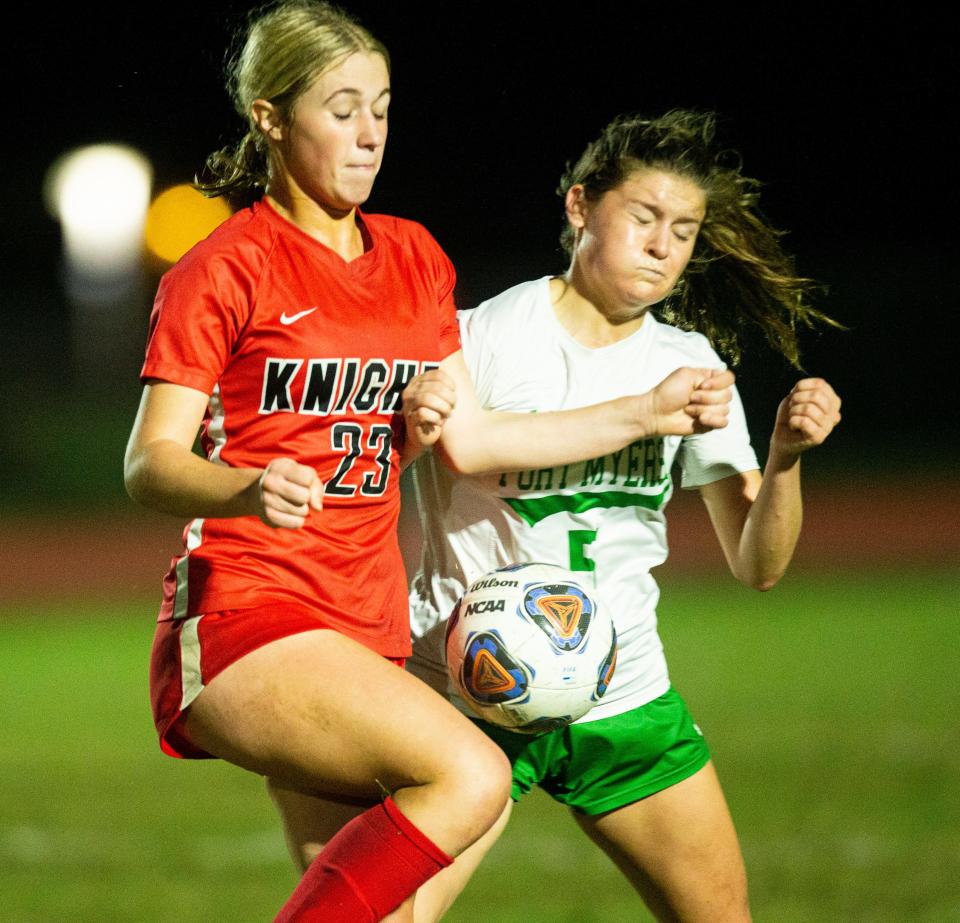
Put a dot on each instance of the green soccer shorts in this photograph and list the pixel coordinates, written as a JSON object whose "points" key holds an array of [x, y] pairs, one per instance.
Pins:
{"points": [[601, 765]]}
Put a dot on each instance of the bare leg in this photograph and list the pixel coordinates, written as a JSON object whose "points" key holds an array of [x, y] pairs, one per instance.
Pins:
{"points": [[679, 849], [309, 821], [319, 713], [436, 897]]}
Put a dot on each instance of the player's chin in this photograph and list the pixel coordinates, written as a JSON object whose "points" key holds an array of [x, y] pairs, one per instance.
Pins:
{"points": [[347, 196], [643, 296], [358, 186]]}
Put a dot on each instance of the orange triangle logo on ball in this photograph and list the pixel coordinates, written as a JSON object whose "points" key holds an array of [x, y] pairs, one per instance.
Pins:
{"points": [[563, 612], [489, 676]]}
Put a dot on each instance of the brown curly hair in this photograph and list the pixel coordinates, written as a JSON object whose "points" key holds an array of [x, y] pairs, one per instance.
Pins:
{"points": [[738, 274]]}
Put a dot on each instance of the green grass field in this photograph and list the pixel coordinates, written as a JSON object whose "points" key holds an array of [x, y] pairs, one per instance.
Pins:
{"points": [[831, 707]]}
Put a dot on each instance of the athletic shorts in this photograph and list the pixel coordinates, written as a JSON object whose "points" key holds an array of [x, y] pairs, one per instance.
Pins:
{"points": [[598, 766], [189, 653]]}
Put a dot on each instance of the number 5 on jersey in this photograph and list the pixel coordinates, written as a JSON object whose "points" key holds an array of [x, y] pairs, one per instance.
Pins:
{"points": [[579, 539]]}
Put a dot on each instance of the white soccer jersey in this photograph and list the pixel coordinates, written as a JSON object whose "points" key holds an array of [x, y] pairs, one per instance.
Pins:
{"points": [[603, 518]]}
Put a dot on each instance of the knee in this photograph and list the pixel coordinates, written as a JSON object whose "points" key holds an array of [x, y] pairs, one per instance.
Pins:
{"points": [[483, 777]]}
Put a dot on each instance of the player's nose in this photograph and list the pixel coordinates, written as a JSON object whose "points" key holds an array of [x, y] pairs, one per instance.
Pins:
{"points": [[658, 243], [372, 131]]}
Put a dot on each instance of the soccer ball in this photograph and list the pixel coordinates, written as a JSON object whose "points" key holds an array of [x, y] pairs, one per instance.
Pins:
{"points": [[529, 649]]}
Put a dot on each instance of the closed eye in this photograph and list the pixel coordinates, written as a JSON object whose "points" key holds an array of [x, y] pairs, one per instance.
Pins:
{"points": [[686, 232], [345, 116]]}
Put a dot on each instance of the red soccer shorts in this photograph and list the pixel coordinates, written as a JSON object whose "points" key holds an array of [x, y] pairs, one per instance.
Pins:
{"points": [[188, 653]]}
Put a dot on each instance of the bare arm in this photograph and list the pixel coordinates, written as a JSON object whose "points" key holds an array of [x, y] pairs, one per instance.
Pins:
{"points": [[161, 471], [442, 408], [757, 520]]}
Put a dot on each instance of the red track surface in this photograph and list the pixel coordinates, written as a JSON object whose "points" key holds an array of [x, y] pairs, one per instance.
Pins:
{"points": [[125, 557]]}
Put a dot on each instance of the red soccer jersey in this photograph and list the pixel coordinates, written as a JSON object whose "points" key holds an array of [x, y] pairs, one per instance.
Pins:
{"points": [[304, 355]]}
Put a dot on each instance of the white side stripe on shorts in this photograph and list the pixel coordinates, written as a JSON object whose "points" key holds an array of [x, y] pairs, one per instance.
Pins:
{"points": [[191, 679]]}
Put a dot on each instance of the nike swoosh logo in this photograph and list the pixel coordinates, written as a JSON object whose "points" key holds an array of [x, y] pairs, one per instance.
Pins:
{"points": [[293, 318]]}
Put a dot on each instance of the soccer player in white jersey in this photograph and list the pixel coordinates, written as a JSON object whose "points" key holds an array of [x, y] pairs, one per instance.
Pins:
{"points": [[654, 218]]}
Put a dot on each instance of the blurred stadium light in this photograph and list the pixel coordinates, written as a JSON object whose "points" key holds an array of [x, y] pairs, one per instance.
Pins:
{"points": [[100, 194], [180, 217]]}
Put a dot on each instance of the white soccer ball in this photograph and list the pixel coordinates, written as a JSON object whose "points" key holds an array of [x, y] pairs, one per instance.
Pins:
{"points": [[529, 648]]}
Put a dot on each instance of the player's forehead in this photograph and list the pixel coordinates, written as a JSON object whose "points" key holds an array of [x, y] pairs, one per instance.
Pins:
{"points": [[362, 75], [680, 197]]}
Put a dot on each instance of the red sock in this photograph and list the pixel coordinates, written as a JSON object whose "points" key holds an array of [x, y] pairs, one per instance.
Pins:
{"points": [[368, 869]]}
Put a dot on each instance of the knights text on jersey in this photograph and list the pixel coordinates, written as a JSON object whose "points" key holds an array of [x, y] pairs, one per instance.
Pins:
{"points": [[304, 355], [604, 517]]}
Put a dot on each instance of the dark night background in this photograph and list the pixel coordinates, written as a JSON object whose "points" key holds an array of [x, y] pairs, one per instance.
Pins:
{"points": [[831, 707], [847, 116]]}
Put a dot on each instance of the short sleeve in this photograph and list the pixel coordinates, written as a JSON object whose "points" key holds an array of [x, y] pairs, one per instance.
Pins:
{"points": [[478, 353], [438, 279], [446, 283], [445, 280], [200, 309], [720, 453]]}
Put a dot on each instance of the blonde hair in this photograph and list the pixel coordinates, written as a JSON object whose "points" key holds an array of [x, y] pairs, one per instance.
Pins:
{"points": [[286, 46], [738, 275]]}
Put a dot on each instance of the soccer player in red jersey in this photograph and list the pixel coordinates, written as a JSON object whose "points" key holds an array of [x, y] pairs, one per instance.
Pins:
{"points": [[288, 337]]}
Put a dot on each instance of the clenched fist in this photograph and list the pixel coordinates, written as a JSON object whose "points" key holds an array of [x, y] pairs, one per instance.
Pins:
{"points": [[691, 401], [806, 416], [287, 491]]}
